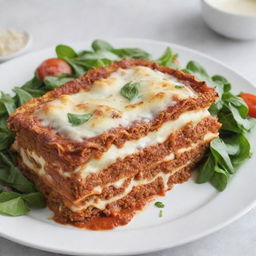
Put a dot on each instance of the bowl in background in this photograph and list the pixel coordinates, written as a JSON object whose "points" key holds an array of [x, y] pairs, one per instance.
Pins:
{"points": [[20, 51], [234, 25]]}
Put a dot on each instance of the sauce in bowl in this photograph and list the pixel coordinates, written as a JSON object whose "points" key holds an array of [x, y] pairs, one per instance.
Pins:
{"points": [[245, 7], [12, 41]]}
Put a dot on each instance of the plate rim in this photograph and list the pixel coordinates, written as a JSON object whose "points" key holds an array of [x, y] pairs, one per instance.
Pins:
{"points": [[181, 241]]}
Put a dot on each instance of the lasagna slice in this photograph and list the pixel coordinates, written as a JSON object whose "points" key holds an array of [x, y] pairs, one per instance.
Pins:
{"points": [[102, 146]]}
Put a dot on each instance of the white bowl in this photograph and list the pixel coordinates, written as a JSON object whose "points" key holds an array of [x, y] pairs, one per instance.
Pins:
{"points": [[238, 26], [19, 52]]}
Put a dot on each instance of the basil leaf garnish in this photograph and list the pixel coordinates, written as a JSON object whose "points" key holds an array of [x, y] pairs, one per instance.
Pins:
{"points": [[130, 90], [76, 120], [179, 86]]}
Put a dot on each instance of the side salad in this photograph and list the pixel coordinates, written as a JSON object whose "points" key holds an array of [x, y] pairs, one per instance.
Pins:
{"points": [[227, 152]]}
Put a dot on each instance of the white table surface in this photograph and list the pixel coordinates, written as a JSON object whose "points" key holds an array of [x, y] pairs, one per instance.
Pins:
{"points": [[178, 21]]}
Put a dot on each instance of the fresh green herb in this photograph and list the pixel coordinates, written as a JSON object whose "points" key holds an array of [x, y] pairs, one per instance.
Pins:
{"points": [[52, 82], [102, 54], [11, 176], [196, 69], [179, 86], [130, 90], [64, 51], [7, 104], [98, 45], [168, 58], [159, 204], [34, 200], [16, 204], [22, 96], [220, 178], [220, 154], [134, 53], [207, 170], [161, 213], [232, 147], [78, 68], [14, 207], [6, 135], [76, 120]]}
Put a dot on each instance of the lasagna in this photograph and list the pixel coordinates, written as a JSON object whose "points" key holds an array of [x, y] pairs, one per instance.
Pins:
{"points": [[99, 172]]}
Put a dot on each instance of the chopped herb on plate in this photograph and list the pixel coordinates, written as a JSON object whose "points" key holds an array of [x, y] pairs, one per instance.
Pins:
{"points": [[179, 86], [159, 204]]}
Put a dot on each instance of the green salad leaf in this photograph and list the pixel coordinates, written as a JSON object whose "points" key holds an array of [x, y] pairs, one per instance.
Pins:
{"points": [[220, 154], [101, 45], [207, 170], [134, 53], [64, 51], [34, 200], [52, 82], [198, 70], [16, 204], [22, 96], [168, 58], [14, 207], [220, 178], [7, 104], [11, 176], [6, 135], [232, 147]]}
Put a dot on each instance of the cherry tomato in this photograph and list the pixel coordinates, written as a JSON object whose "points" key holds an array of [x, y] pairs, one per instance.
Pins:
{"points": [[53, 67], [250, 100]]}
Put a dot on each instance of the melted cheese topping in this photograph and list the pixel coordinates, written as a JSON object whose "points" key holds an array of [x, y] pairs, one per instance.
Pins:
{"points": [[108, 107]]}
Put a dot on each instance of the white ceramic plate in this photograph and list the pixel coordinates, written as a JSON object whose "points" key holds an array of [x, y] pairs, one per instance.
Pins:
{"points": [[192, 211]]}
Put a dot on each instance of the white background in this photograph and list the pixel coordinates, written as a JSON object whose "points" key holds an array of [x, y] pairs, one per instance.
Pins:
{"points": [[178, 21]]}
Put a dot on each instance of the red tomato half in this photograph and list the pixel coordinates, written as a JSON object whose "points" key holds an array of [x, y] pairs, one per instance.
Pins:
{"points": [[250, 100], [53, 67]]}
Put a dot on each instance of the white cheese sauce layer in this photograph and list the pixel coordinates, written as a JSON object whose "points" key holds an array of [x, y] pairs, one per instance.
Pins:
{"points": [[101, 204], [108, 107], [134, 146], [98, 203]]}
